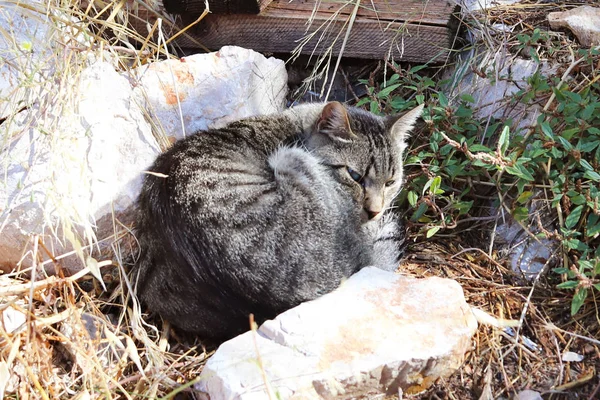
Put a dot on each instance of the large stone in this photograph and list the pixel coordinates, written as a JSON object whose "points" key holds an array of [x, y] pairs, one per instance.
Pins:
{"points": [[494, 86], [583, 21], [378, 333], [87, 168], [528, 254], [209, 90]]}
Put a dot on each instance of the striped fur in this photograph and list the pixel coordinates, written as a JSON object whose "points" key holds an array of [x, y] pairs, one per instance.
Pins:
{"points": [[263, 214]]}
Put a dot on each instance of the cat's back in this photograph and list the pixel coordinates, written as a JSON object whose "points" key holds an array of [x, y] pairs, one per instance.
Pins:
{"points": [[217, 168], [244, 219], [249, 141]]}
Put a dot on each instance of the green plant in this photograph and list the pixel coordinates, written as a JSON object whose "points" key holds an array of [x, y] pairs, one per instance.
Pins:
{"points": [[560, 155]]}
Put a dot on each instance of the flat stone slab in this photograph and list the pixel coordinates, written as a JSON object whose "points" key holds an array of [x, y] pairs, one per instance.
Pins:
{"points": [[378, 333], [583, 21]]}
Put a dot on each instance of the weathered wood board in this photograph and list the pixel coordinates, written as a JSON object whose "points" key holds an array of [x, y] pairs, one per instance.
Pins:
{"points": [[411, 30], [196, 7]]}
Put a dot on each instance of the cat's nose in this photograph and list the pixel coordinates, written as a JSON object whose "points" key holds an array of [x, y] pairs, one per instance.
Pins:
{"points": [[372, 213]]}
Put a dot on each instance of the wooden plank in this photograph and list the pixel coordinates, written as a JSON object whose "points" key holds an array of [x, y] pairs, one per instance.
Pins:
{"points": [[196, 7], [391, 33], [434, 12]]}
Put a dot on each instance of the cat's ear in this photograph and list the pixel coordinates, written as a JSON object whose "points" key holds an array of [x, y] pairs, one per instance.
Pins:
{"points": [[334, 122], [399, 126]]}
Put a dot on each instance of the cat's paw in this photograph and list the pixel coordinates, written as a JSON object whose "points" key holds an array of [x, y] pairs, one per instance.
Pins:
{"points": [[388, 239]]}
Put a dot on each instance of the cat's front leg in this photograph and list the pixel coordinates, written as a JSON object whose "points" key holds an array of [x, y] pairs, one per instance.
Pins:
{"points": [[388, 237]]}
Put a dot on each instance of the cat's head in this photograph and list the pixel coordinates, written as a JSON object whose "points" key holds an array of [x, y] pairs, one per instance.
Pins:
{"points": [[365, 153]]}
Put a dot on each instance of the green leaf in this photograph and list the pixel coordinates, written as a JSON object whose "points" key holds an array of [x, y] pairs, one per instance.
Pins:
{"points": [[417, 68], [560, 270], [386, 91], [593, 175], [567, 285], [524, 197], [594, 131], [479, 147], [468, 98], [463, 207], [443, 99], [573, 244], [587, 146], [432, 231], [463, 111], [593, 230], [588, 111], [519, 171], [363, 101], [597, 286], [593, 225], [574, 217], [521, 214], [586, 165], [585, 264], [420, 211], [427, 186], [547, 130], [556, 153], [578, 199], [504, 139], [578, 300], [413, 198], [568, 133], [565, 143], [435, 186], [374, 107], [573, 96]]}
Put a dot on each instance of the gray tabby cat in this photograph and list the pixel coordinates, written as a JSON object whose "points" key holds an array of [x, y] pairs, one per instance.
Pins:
{"points": [[268, 212]]}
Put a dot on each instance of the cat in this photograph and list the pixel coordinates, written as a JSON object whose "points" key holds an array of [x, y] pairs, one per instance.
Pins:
{"points": [[268, 212]]}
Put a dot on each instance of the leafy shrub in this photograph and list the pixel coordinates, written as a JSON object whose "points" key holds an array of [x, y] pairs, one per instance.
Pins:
{"points": [[559, 154]]}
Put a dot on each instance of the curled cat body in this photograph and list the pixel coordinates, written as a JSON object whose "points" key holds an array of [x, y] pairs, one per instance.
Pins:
{"points": [[268, 212]]}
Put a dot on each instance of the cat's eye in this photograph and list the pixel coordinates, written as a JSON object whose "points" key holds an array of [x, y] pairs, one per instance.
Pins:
{"points": [[390, 183], [353, 174]]}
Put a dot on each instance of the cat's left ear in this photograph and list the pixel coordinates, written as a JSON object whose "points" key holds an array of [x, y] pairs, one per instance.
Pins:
{"points": [[334, 122], [399, 126]]}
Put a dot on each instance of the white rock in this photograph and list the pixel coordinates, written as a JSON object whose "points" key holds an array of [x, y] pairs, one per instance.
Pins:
{"points": [[527, 255], [528, 395], [583, 21], [379, 332], [209, 90], [89, 166], [572, 356], [494, 96]]}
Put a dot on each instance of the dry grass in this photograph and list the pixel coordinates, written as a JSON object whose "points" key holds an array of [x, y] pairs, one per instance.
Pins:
{"points": [[502, 362], [71, 339], [67, 337]]}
